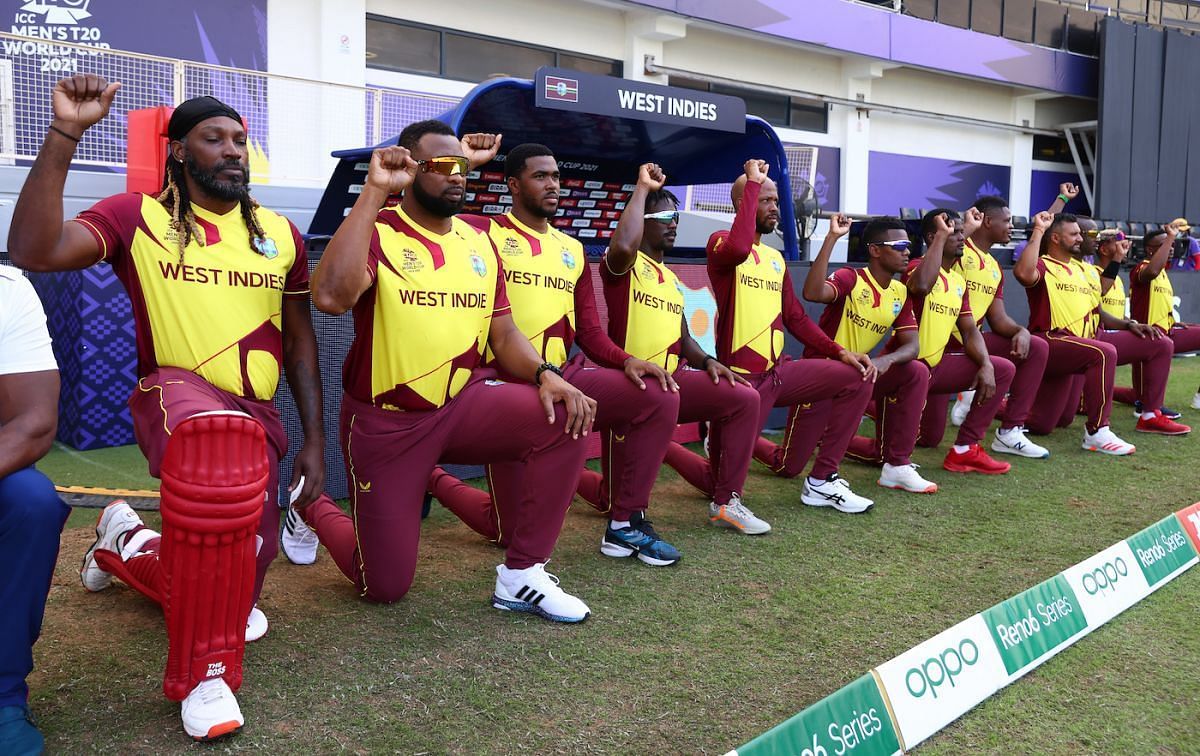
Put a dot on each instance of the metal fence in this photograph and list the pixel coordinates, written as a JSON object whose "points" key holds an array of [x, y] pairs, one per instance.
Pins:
{"points": [[293, 123]]}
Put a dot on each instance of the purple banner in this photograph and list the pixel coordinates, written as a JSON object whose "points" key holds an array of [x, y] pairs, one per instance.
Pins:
{"points": [[1043, 188], [828, 183], [839, 25], [220, 32], [896, 181]]}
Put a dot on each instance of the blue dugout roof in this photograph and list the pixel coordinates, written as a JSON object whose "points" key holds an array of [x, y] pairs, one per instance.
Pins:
{"points": [[617, 145]]}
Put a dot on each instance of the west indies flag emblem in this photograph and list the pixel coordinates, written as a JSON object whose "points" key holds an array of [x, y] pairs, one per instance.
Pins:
{"points": [[561, 88]]}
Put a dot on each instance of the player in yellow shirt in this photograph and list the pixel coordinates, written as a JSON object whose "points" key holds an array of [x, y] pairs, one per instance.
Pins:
{"points": [[219, 293], [428, 295]]}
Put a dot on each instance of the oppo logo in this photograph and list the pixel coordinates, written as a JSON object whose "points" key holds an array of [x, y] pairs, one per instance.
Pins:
{"points": [[941, 669], [1105, 576]]}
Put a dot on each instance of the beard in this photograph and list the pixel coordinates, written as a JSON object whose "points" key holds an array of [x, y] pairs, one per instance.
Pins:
{"points": [[210, 182], [538, 209], [766, 228], [436, 204]]}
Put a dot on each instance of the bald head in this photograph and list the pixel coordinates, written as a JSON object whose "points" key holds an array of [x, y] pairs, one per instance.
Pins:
{"points": [[767, 215]]}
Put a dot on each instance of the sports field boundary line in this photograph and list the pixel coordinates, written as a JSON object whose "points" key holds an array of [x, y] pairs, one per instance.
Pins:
{"points": [[901, 703]]}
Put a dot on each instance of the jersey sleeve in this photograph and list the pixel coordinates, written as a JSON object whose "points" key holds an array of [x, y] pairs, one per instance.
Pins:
{"points": [[375, 251], [905, 320], [296, 284], [501, 306], [842, 280], [966, 304], [24, 340], [730, 248], [112, 222], [1041, 271]]}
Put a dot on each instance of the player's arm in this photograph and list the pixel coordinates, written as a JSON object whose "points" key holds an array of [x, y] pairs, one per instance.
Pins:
{"points": [[984, 383], [733, 248], [1148, 271], [925, 275], [38, 239], [907, 349], [816, 286], [627, 238], [690, 350], [1113, 323], [600, 349], [343, 273], [1109, 277], [304, 378], [28, 418], [796, 320], [1066, 192], [1025, 269], [517, 357]]}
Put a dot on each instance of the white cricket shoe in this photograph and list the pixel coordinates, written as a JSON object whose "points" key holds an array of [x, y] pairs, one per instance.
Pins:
{"points": [[298, 541], [536, 591], [962, 407], [116, 519], [1196, 401], [738, 516], [834, 492], [1014, 441], [210, 711], [905, 478], [256, 624], [1107, 442]]}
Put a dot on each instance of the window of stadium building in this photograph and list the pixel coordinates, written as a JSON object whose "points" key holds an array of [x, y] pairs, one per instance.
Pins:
{"points": [[411, 48], [777, 110]]}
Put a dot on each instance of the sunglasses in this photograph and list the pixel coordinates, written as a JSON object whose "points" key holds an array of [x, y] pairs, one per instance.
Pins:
{"points": [[665, 217], [899, 246], [446, 165]]}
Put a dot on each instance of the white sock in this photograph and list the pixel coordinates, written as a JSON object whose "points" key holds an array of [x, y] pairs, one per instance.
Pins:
{"points": [[815, 481], [1006, 431], [960, 449], [618, 524], [1147, 415]]}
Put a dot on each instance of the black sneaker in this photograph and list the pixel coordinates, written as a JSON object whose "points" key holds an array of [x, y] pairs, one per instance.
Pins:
{"points": [[638, 538], [1167, 412]]}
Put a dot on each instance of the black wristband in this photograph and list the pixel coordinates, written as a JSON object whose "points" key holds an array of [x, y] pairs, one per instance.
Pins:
{"points": [[57, 130], [1112, 270], [537, 377]]}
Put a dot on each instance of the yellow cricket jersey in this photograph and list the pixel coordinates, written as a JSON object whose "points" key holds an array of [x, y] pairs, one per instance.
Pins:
{"points": [[645, 310], [938, 312], [541, 272], [1064, 298], [863, 311], [1114, 301], [422, 326], [755, 330], [218, 311], [1153, 302], [982, 276]]}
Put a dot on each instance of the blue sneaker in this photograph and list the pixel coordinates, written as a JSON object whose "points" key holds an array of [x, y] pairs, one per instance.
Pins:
{"points": [[1167, 412], [639, 538], [19, 736]]}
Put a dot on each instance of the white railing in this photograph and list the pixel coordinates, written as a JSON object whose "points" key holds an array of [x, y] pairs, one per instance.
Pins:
{"points": [[293, 123]]}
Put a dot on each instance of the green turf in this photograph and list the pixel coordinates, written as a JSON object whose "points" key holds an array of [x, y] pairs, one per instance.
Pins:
{"points": [[696, 658]]}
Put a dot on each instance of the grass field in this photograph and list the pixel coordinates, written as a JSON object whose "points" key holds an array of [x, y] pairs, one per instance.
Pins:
{"points": [[696, 658]]}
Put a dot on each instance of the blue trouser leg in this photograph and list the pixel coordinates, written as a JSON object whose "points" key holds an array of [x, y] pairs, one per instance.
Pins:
{"points": [[31, 520]]}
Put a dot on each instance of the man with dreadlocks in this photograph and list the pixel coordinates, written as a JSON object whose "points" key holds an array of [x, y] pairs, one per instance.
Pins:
{"points": [[219, 292]]}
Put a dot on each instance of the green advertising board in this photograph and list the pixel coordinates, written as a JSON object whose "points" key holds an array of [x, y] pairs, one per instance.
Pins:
{"points": [[1161, 549], [1032, 624]]}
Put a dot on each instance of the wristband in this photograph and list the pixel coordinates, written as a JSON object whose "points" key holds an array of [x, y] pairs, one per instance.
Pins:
{"points": [[537, 377], [1112, 270], [57, 130], [1064, 198]]}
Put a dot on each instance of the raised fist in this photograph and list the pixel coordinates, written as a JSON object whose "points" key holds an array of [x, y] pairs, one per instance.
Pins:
{"points": [[1042, 221], [480, 148], [651, 176], [392, 169], [972, 220], [839, 225], [82, 100], [943, 225], [756, 170], [1068, 190]]}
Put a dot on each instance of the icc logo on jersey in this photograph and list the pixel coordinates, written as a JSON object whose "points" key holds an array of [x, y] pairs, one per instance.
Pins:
{"points": [[411, 263], [511, 247], [265, 246], [568, 259], [478, 265], [775, 264]]}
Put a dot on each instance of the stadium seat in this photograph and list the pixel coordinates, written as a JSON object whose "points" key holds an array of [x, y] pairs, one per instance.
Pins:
{"points": [[1137, 229]]}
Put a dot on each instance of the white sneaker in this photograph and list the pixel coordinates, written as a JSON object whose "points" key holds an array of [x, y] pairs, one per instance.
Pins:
{"points": [[905, 478], [298, 541], [116, 519], [835, 493], [1014, 441], [962, 407], [210, 711], [1196, 401], [536, 591], [256, 624], [1106, 442], [738, 516]]}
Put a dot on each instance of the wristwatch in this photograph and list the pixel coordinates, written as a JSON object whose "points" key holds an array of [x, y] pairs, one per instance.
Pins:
{"points": [[537, 377]]}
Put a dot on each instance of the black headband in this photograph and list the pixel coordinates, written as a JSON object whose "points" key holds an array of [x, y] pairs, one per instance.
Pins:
{"points": [[195, 110]]}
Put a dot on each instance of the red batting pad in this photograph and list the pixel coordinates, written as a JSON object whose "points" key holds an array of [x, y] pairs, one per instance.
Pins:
{"points": [[214, 479]]}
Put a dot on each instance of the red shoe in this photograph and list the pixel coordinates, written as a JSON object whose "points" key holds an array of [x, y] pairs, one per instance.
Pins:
{"points": [[975, 459], [1162, 424]]}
